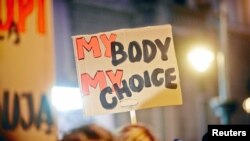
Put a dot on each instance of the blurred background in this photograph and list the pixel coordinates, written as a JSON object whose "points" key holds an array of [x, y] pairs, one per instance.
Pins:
{"points": [[214, 94]]}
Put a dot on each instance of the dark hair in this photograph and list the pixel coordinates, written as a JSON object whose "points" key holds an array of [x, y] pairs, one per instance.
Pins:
{"points": [[204, 138], [91, 131]]}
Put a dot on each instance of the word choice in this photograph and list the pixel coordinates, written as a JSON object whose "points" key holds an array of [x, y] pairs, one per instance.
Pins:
{"points": [[136, 83], [216, 132]]}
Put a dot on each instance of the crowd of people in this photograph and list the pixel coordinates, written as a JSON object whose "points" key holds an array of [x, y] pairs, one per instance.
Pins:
{"points": [[94, 132]]}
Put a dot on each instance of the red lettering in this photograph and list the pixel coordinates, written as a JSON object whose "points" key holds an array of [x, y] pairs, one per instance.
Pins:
{"points": [[25, 8], [107, 42], [115, 78], [10, 15], [41, 17], [87, 81], [82, 44]]}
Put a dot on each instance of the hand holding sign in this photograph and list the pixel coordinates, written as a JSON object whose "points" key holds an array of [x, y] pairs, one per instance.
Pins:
{"points": [[127, 68]]}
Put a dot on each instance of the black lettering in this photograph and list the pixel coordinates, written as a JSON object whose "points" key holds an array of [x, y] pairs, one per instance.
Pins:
{"points": [[29, 98], [147, 79], [134, 57], [163, 47], [132, 84], [154, 77], [104, 102], [169, 78], [1, 37], [115, 52], [13, 29], [123, 89], [45, 114], [6, 122], [148, 57]]}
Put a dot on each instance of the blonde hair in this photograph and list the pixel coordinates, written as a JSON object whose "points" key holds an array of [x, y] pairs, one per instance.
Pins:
{"points": [[135, 132]]}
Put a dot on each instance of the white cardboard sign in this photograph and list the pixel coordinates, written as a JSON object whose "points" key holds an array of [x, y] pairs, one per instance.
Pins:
{"points": [[127, 69]]}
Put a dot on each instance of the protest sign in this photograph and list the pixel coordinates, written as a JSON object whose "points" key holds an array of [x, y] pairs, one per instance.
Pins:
{"points": [[127, 69], [26, 70]]}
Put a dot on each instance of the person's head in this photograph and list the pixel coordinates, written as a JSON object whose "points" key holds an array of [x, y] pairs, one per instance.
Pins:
{"points": [[135, 132], [90, 132]]}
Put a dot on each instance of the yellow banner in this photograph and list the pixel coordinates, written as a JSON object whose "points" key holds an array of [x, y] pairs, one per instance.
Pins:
{"points": [[26, 70]]}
